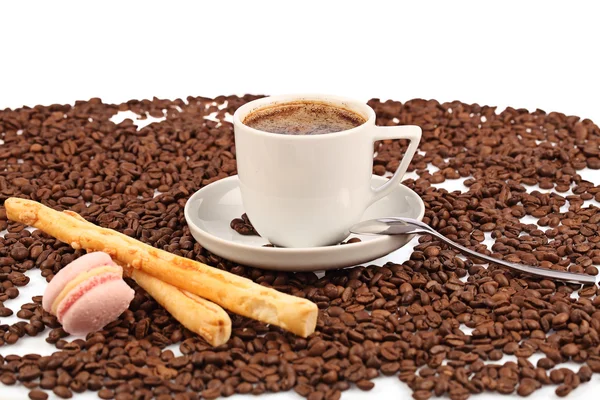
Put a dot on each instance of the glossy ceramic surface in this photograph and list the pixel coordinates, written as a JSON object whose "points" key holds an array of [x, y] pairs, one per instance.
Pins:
{"points": [[210, 210], [318, 184]]}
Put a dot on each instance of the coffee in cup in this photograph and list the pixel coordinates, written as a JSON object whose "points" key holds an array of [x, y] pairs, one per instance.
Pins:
{"points": [[303, 118]]}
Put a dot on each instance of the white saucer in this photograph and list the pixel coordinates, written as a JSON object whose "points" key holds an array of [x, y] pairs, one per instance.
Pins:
{"points": [[210, 210]]}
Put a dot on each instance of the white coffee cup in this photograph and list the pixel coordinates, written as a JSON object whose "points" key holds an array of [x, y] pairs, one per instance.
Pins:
{"points": [[308, 190]]}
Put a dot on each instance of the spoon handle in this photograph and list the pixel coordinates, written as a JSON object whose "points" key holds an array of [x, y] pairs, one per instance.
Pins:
{"points": [[547, 273]]}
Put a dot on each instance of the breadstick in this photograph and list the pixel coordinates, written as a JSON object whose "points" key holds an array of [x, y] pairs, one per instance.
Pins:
{"points": [[230, 291], [195, 313], [198, 315]]}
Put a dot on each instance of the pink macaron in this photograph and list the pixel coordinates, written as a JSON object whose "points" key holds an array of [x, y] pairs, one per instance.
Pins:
{"points": [[88, 294]]}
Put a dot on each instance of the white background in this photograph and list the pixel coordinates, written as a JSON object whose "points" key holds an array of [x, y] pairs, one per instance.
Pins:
{"points": [[534, 54]]}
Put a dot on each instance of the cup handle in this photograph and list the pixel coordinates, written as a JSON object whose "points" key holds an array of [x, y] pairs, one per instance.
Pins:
{"points": [[410, 132]]}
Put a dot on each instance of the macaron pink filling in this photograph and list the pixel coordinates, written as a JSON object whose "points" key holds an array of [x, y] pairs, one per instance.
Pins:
{"points": [[81, 265], [82, 289]]}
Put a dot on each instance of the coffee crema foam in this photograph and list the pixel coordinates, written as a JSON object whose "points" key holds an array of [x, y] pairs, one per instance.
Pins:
{"points": [[303, 118]]}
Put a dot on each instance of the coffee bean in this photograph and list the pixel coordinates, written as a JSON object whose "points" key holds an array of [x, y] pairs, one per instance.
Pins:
{"points": [[211, 393], [390, 368], [250, 375], [25, 314], [557, 376], [29, 372], [563, 390], [12, 292], [390, 353], [244, 388], [317, 349], [106, 394], [38, 395], [8, 378], [569, 349], [303, 389], [527, 386], [19, 253], [585, 373], [594, 363], [330, 377], [365, 385], [423, 395], [560, 319], [432, 251], [48, 382], [18, 278], [63, 392], [545, 363], [243, 226], [316, 396], [11, 338], [5, 312]]}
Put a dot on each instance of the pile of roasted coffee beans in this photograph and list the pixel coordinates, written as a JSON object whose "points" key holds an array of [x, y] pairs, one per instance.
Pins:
{"points": [[243, 226], [407, 320]]}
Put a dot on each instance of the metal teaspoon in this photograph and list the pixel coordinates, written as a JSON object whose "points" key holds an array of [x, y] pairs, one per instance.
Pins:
{"points": [[408, 226]]}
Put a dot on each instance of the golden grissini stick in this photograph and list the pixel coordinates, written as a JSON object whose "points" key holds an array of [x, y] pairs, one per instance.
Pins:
{"points": [[230, 291], [198, 315], [195, 313]]}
